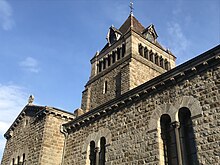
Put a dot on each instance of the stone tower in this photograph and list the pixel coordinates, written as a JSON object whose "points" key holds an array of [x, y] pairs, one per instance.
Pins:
{"points": [[131, 57]]}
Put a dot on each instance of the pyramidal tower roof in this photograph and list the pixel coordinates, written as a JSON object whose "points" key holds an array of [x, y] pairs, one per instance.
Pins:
{"points": [[131, 22]]}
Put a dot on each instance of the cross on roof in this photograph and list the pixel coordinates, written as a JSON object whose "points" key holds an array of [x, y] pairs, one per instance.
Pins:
{"points": [[131, 7]]}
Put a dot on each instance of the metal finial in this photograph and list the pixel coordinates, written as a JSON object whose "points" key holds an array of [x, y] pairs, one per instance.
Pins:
{"points": [[131, 7], [30, 99]]}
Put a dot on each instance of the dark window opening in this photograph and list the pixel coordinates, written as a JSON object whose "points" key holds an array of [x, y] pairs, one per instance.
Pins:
{"points": [[92, 156], [140, 49], [100, 66], [23, 159], [156, 59], [169, 141], [166, 65], [187, 138], [146, 53], [18, 160], [118, 85], [104, 63], [161, 62], [118, 54], [113, 57], [105, 89], [109, 60], [102, 151], [123, 50], [151, 56]]}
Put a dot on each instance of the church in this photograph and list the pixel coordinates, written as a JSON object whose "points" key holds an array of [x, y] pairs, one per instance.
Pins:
{"points": [[137, 108]]}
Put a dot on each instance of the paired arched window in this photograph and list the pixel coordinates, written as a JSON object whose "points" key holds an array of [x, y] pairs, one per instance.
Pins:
{"points": [[178, 139], [97, 153]]}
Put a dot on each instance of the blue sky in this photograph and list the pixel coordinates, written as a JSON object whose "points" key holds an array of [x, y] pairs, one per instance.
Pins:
{"points": [[46, 45]]}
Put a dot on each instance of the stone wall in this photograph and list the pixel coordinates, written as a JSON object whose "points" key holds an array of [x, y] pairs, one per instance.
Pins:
{"points": [[27, 138], [134, 128], [38, 137], [142, 70], [97, 95]]}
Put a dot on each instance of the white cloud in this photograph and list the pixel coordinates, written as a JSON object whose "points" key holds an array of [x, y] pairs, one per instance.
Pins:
{"points": [[6, 19], [12, 100], [177, 40], [30, 64]]}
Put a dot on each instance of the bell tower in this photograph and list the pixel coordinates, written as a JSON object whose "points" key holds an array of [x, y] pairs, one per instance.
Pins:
{"points": [[131, 57]]}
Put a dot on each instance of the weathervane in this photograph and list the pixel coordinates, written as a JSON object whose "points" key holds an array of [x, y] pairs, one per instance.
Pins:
{"points": [[131, 7]]}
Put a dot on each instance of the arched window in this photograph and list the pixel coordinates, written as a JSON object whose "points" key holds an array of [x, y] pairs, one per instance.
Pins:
{"points": [[151, 54], [102, 151], [118, 53], [109, 60], [156, 59], [104, 63], [161, 62], [166, 64], [140, 49], [105, 87], [169, 141], [92, 155], [187, 138], [100, 66], [18, 160], [123, 50], [113, 57], [23, 159], [146, 55]]}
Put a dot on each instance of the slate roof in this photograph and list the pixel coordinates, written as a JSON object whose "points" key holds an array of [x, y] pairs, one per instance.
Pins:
{"points": [[131, 22]]}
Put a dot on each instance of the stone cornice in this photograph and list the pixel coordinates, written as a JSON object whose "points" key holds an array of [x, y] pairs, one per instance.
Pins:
{"points": [[56, 112], [180, 73]]}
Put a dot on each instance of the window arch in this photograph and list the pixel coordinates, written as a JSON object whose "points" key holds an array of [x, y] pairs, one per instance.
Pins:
{"points": [[102, 151], [187, 137]]}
